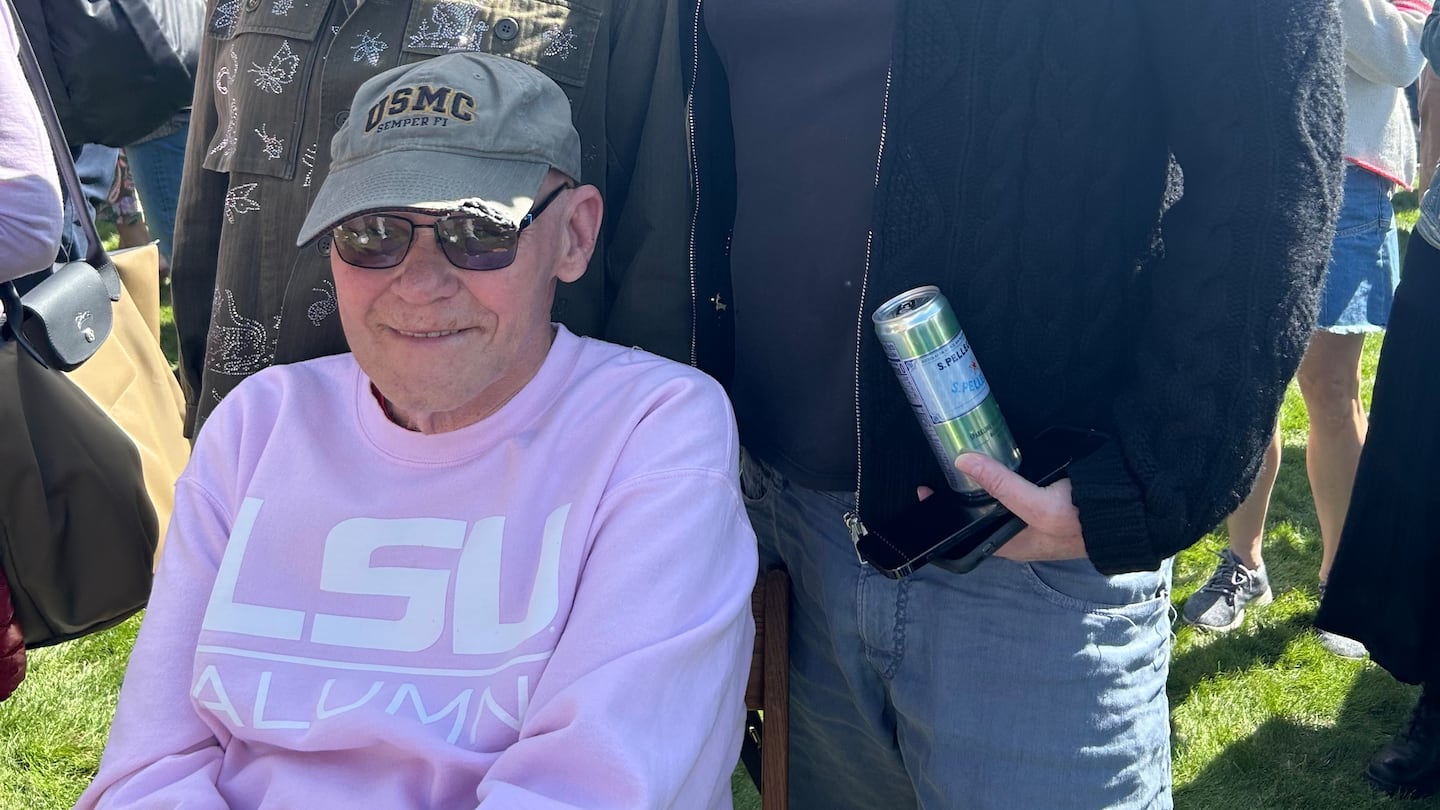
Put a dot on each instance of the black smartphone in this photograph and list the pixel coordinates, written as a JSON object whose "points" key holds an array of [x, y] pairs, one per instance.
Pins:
{"points": [[960, 531]]}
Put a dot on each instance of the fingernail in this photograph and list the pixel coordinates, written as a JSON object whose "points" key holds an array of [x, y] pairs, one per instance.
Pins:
{"points": [[968, 463]]}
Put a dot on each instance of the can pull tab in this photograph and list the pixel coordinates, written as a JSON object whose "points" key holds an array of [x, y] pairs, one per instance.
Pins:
{"points": [[857, 531]]}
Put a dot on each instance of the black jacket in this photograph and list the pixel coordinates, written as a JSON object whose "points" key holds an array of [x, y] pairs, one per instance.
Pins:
{"points": [[1130, 207], [116, 70]]}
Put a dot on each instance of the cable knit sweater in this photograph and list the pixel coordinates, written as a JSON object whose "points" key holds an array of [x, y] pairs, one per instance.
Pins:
{"points": [[1131, 228], [1382, 55]]}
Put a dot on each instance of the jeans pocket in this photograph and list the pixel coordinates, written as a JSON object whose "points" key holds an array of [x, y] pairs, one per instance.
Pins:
{"points": [[1075, 584], [1365, 207]]}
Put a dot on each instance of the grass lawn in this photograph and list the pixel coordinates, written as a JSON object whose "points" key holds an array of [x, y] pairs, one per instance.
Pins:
{"points": [[1261, 718]]}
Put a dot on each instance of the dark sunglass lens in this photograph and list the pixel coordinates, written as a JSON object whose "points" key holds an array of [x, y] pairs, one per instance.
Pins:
{"points": [[375, 241], [474, 244]]}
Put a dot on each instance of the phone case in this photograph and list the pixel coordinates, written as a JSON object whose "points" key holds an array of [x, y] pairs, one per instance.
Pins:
{"points": [[962, 533]]}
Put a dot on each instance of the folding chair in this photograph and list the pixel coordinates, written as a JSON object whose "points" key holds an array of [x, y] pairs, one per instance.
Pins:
{"points": [[766, 748]]}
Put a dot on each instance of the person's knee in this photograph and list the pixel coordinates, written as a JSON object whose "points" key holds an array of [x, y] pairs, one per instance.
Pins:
{"points": [[1332, 395]]}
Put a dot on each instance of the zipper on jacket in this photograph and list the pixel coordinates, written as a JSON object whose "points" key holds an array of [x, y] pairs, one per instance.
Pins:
{"points": [[695, 177], [852, 518]]}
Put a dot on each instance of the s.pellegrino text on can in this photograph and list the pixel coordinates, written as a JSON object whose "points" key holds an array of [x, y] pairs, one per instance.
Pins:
{"points": [[943, 382]]}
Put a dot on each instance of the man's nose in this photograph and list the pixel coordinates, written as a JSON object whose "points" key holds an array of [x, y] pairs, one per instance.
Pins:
{"points": [[425, 273]]}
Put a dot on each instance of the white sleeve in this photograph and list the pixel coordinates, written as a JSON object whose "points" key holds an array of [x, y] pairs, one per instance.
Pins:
{"points": [[1382, 39], [642, 704]]}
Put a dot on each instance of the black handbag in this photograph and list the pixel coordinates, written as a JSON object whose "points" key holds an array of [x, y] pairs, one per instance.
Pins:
{"points": [[63, 316], [78, 530], [66, 316]]}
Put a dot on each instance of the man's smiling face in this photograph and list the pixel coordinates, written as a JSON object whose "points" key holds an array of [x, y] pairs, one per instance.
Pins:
{"points": [[445, 346]]}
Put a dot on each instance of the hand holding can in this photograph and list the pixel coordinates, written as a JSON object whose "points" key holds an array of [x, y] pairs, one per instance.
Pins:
{"points": [[944, 383]]}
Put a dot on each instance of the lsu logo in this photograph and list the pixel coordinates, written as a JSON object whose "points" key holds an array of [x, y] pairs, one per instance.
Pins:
{"points": [[442, 103]]}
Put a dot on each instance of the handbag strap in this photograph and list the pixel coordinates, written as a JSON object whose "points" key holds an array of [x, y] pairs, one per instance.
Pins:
{"points": [[95, 253]]}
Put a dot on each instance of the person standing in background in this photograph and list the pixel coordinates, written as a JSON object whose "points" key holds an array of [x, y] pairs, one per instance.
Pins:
{"points": [[1382, 587], [120, 75], [157, 162], [1382, 57]]}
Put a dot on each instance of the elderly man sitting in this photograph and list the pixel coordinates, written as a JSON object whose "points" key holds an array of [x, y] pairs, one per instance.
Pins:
{"points": [[479, 560]]}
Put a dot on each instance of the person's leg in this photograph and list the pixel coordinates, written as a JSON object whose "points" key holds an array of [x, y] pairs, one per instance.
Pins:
{"points": [[1357, 299], [157, 166], [1330, 383], [95, 166], [843, 752], [1032, 685], [1246, 525], [1240, 580], [123, 208]]}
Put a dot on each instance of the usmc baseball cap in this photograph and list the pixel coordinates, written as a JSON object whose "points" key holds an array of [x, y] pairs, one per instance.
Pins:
{"points": [[470, 132]]}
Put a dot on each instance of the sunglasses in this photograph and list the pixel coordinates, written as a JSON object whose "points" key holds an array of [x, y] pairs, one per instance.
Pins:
{"points": [[381, 241]]}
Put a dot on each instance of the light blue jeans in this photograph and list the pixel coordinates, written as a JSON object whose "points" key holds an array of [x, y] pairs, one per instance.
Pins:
{"points": [[1013, 686], [156, 167], [95, 166]]}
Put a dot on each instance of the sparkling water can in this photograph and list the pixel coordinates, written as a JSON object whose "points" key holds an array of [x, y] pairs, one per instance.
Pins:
{"points": [[943, 382]]}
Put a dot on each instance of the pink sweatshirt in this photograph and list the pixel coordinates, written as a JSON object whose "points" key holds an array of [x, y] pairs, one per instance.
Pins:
{"points": [[547, 609]]}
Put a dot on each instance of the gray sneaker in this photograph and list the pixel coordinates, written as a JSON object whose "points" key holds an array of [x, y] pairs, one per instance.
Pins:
{"points": [[1219, 605], [1336, 644]]}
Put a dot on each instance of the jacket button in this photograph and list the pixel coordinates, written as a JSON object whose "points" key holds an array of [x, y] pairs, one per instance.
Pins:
{"points": [[506, 29], [341, 117], [323, 245], [251, 5]]}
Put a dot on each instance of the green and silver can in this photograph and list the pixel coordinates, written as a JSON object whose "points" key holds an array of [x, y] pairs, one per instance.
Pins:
{"points": [[943, 382]]}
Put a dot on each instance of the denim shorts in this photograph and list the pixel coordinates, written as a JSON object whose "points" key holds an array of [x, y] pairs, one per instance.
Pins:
{"points": [[1016, 685], [1364, 260]]}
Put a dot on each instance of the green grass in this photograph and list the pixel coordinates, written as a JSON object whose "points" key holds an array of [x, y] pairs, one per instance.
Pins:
{"points": [[169, 339], [53, 729], [1261, 717], [1264, 712]]}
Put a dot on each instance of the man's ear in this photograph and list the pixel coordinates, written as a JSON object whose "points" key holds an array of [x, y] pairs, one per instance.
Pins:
{"points": [[584, 210]]}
